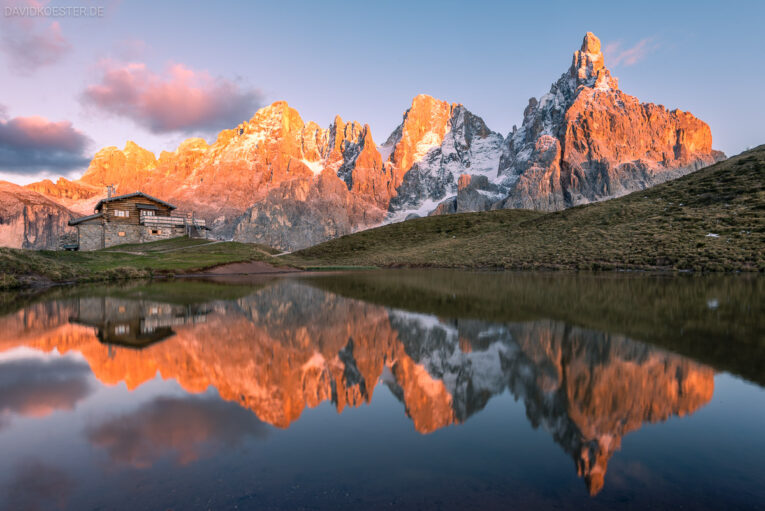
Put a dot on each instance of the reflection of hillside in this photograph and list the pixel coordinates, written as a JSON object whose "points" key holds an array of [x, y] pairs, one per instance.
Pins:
{"points": [[291, 346], [685, 315]]}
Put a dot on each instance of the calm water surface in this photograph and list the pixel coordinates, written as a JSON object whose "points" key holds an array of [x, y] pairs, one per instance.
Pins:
{"points": [[386, 390]]}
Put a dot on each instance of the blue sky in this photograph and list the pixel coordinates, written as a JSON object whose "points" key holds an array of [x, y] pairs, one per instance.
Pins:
{"points": [[366, 61]]}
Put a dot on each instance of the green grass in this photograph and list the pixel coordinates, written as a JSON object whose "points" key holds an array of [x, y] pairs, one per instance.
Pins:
{"points": [[179, 243], [662, 228], [22, 268], [175, 244]]}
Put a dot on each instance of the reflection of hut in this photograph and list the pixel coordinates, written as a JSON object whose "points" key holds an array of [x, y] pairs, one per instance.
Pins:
{"points": [[134, 323], [130, 333]]}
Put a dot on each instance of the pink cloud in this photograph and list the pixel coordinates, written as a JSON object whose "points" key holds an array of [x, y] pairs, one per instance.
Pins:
{"points": [[616, 55], [33, 144], [39, 132], [181, 99], [30, 43]]}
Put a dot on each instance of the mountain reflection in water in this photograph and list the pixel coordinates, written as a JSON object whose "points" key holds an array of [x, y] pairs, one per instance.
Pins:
{"points": [[272, 351]]}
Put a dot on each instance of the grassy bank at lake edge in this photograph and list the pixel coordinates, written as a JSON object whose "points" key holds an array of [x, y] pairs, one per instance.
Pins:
{"points": [[29, 268]]}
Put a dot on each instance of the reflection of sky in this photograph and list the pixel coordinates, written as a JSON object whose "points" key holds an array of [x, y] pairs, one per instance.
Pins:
{"points": [[370, 453], [182, 427], [108, 441], [33, 387]]}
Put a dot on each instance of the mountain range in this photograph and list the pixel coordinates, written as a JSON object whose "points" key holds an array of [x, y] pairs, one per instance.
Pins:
{"points": [[287, 183]]}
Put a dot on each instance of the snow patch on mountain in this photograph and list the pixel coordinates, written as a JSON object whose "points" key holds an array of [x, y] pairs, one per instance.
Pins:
{"points": [[468, 147], [315, 166]]}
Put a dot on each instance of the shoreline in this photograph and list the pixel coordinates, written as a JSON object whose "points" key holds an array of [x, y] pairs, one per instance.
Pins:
{"points": [[263, 269]]}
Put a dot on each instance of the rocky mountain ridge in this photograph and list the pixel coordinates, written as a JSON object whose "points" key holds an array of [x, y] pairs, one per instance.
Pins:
{"points": [[279, 180]]}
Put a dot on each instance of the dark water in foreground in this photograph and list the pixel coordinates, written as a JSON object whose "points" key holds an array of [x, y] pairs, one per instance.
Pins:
{"points": [[399, 390]]}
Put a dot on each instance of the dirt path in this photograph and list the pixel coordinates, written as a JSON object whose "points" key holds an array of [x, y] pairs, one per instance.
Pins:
{"points": [[186, 248], [138, 252], [248, 268]]}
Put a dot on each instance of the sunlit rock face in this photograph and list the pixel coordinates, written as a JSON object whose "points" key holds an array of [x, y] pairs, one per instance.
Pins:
{"points": [[586, 140], [289, 346], [77, 196], [30, 220]]}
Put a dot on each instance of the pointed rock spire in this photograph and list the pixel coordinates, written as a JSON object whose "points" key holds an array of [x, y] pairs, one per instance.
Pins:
{"points": [[588, 66]]}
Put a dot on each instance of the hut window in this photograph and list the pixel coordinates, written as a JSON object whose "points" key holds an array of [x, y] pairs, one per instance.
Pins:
{"points": [[155, 231], [121, 212], [146, 212], [121, 234], [121, 329]]}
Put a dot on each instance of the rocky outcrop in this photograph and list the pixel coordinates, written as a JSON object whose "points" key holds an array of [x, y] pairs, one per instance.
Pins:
{"points": [[30, 220], [474, 193], [303, 212], [128, 169], [586, 140]]}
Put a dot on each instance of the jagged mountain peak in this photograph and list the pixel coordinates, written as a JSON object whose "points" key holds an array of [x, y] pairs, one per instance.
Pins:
{"points": [[435, 144], [588, 65], [586, 140], [590, 43], [275, 108], [423, 100], [278, 114]]}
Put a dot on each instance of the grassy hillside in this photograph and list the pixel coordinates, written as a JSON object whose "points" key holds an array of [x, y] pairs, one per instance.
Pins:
{"points": [[20, 268], [711, 220]]}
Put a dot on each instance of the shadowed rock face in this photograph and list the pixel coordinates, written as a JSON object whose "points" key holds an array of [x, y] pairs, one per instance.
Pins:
{"points": [[290, 346], [30, 220]]}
